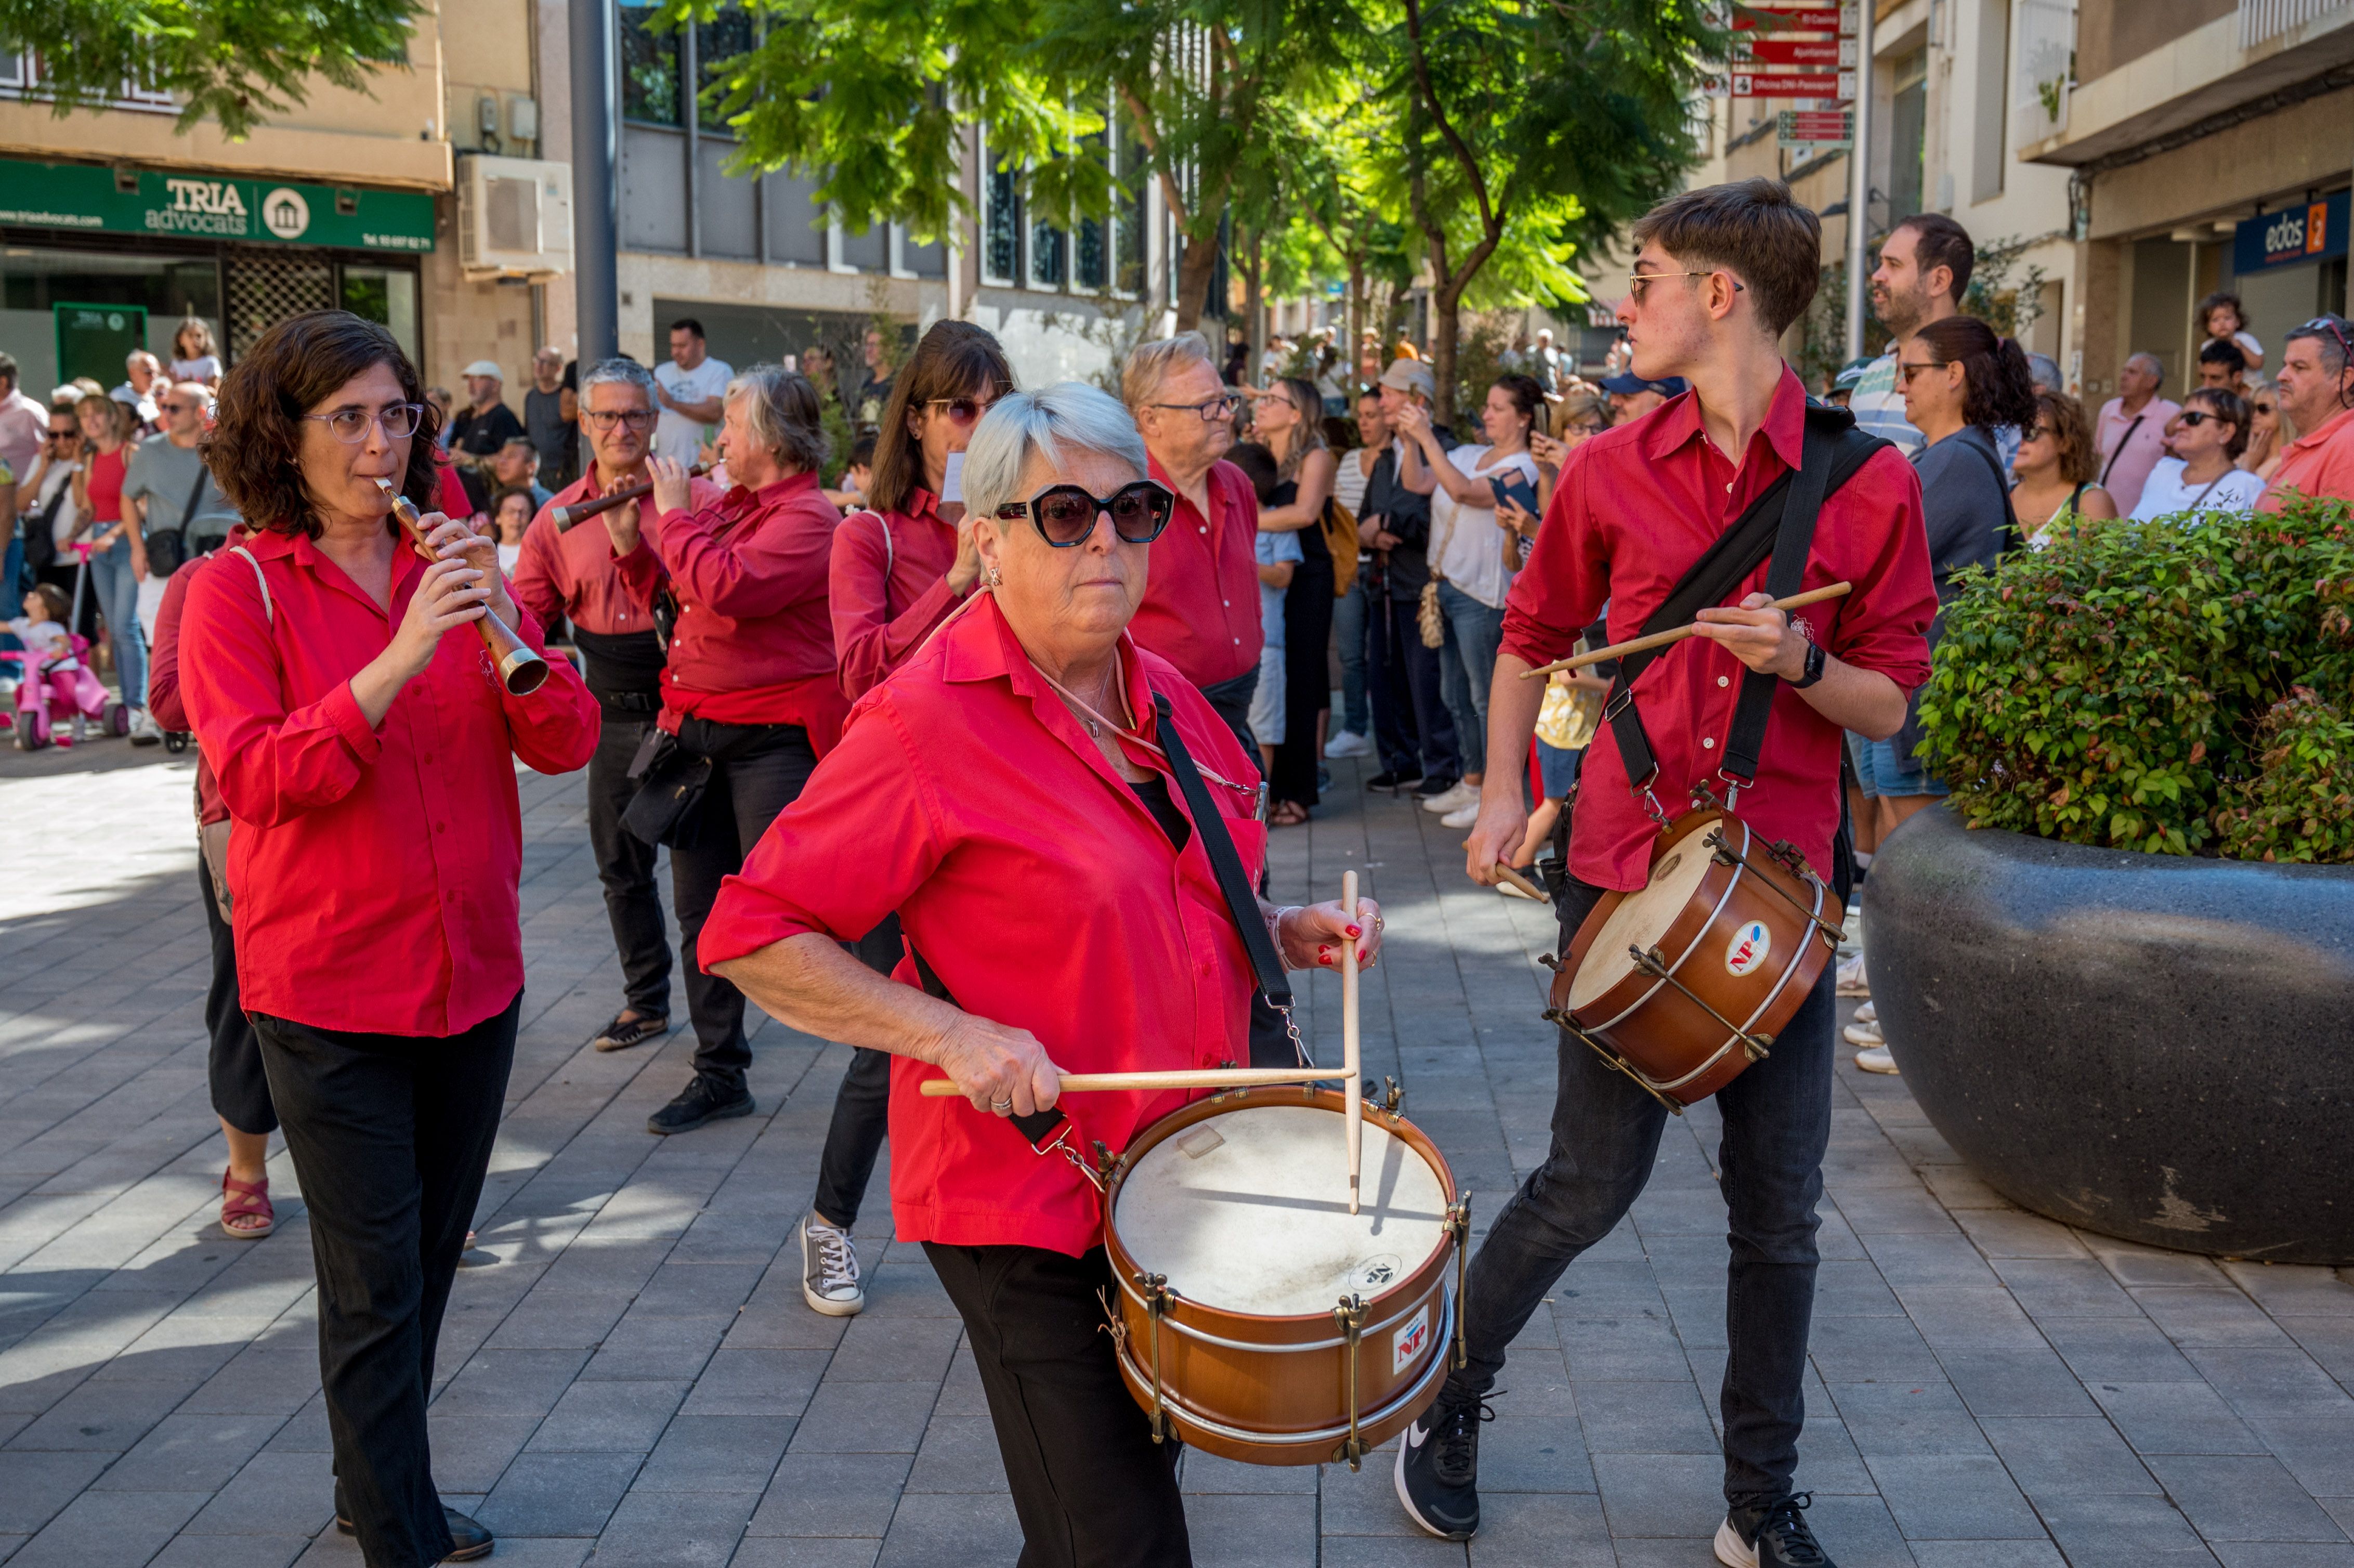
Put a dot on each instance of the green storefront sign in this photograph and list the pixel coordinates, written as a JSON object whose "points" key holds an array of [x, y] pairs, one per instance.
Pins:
{"points": [[85, 199]]}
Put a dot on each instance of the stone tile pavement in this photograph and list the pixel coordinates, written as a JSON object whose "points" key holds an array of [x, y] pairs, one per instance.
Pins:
{"points": [[630, 1377]]}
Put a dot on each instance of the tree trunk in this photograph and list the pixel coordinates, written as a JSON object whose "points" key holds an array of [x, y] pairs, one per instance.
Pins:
{"points": [[1254, 306], [1446, 322], [1195, 264], [1353, 348]]}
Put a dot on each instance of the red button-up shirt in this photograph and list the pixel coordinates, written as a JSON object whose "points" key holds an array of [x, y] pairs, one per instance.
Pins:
{"points": [[889, 587], [753, 643], [2319, 466], [1634, 509], [1039, 888], [1201, 597], [573, 574], [376, 868], [163, 678]]}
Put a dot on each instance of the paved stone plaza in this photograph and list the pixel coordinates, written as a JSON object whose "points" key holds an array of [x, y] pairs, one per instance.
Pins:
{"points": [[629, 1375]]}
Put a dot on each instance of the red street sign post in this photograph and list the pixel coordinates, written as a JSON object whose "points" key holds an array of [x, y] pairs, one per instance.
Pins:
{"points": [[1829, 84], [1819, 53], [1794, 18]]}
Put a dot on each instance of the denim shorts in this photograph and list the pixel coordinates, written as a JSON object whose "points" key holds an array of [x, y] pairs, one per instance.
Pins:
{"points": [[1882, 771], [1557, 766]]}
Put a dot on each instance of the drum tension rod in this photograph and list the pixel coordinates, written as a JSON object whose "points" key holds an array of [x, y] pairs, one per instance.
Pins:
{"points": [[1154, 1288], [1391, 1103], [1458, 1222], [1350, 1317], [1725, 855], [1652, 964], [1611, 1059]]}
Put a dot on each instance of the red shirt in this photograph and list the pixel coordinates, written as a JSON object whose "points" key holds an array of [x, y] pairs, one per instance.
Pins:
{"points": [[1201, 599], [573, 574], [2320, 465], [753, 643], [890, 589], [1634, 509], [453, 502], [105, 483], [1036, 884], [376, 869], [164, 677]]}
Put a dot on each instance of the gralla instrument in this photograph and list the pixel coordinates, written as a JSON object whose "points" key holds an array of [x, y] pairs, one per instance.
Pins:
{"points": [[1257, 1317], [567, 518], [1685, 981], [521, 669]]}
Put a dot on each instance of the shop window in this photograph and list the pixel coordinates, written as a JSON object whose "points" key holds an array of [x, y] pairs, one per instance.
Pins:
{"points": [[1046, 247], [160, 289], [649, 68], [1908, 121], [717, 42], [1001, 254]]}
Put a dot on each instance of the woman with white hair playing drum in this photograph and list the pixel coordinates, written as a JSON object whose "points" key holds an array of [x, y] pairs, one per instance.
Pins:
{"points": [[1022, 792]]}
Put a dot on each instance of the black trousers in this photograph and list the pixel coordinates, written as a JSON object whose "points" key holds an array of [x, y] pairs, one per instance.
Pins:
{"points": [[862, 1105], [390, 1135], [1091, 1488], [1307, 679], [233, 1068], [756, 771], [1413, 673], [1605, 1143], [625, 865]]}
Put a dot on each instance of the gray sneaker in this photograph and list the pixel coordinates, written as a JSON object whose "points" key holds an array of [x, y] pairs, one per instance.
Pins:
{"points": [[830, 1270]]}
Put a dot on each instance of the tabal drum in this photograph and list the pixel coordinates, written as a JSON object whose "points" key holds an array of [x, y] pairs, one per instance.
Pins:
{"points": [[1258, 1319]]}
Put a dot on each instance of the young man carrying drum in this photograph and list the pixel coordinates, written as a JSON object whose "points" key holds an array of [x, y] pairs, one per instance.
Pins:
{"points": [[1719, 273]]}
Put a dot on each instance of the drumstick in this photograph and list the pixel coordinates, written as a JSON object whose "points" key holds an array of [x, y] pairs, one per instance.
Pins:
{"points": [[1181, 1078], [1522, 882], [1661, 639], [1351, 1040]]}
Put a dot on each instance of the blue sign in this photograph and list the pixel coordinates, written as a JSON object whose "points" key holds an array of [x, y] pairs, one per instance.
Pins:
{"points": [[2307, 232]]}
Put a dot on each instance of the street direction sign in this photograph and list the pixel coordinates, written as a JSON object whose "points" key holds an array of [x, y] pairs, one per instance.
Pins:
{"points": [[1796, 18], [1819, 53], [1759, 84], [1818, 129]]}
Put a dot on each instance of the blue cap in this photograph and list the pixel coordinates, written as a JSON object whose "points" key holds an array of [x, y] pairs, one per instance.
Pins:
{"points": [[1628, 385]]}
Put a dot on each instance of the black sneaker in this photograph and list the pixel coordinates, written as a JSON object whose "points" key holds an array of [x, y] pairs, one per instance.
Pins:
{"points": [[625, 1031], [1393, 780], [1773, 1536], [702, 1100], [1439, 1468], [1431, 787], [470, 1538]]}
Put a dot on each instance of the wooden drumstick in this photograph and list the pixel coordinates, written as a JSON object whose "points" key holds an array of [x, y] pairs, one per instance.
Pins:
{"points": [[1351, 1040], [1661, 639], [1522, 882], [1180, 1078]]}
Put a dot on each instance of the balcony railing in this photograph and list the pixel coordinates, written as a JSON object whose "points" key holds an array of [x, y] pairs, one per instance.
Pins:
{"points": [[2262, 19]]}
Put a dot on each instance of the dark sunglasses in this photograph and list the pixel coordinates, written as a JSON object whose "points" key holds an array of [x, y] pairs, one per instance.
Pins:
{"points": [[1065, 514], [2194, 418], [963, 410]]}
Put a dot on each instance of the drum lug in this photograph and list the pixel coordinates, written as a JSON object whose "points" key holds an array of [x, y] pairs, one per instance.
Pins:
{"points": [[1550, 960], [1154, 1288], [1755, 1045], [1458, 1224], [1107, 1165], [1350, 1317]]}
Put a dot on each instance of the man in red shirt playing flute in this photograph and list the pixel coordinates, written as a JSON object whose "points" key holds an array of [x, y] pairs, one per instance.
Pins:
{"points": [[1719, 273]]}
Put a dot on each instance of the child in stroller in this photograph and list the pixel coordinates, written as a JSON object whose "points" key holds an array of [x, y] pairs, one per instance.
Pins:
{"points": [[55, 679]]}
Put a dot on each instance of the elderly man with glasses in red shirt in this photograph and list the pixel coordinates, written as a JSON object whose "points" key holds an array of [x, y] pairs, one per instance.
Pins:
{"points": [[1720, 272]]}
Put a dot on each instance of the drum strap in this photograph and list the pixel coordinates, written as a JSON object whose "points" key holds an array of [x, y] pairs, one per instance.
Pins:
{"points": [[1779, 525]]}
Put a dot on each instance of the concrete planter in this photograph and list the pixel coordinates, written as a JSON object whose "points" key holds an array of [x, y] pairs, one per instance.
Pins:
{"points": [[2153, 1047]]}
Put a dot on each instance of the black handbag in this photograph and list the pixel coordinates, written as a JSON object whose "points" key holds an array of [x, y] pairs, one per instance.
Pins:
{"points": [[671, 782]]}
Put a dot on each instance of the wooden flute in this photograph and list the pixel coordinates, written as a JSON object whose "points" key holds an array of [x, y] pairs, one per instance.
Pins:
{"points": [[521, 669], [566, 517]]}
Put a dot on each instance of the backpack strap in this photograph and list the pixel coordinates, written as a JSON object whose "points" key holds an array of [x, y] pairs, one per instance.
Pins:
{"points": [[268, 610]]}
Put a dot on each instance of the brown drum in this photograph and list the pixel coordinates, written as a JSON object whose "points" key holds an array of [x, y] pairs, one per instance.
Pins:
{"points": [[1685, 981], [1258, 1319]]}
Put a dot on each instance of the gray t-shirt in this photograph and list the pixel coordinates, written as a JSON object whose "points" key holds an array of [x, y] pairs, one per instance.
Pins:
{"points": [[1963, 501], [162, 474]]}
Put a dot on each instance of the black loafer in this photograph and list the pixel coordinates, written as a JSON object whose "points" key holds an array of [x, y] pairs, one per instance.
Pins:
{"points": [[622, 1033], [1393, 782], [472, 1538], [703, 1100]]}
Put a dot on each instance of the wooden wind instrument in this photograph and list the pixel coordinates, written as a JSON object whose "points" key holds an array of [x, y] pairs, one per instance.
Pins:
{"points": [[566, 517], [521, 668], [1661, 639]]}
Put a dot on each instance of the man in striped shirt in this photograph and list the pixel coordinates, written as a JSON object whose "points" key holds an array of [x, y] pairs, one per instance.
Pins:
{"points": [[1925, 267]]}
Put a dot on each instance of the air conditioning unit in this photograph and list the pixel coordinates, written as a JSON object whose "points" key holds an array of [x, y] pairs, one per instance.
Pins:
{"points": [[514, 217]]}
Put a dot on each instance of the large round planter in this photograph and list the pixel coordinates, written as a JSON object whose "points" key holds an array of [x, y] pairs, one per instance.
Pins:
{"points": [[2153, 1047]]}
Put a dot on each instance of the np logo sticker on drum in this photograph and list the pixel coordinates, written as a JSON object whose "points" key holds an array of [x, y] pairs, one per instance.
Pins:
{"points": [[1413, 1335], [1748, 948]]}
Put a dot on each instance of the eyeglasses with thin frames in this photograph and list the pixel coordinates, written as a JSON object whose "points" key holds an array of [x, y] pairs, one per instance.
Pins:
{"points": [[399, 422], [1065, 514], [1222, 407], [606, 419], [1637, 281], [962, 410]]}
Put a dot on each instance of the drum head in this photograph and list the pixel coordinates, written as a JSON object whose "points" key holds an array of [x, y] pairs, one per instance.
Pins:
{"points": [[1641, 918], [1249, 1212]]}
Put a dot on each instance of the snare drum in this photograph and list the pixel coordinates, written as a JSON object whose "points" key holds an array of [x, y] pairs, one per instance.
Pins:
{"points": [[1685, 981], [1258, 1319]]}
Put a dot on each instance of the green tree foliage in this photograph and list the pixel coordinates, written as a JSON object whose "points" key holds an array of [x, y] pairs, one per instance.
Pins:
{"points": [[2300, 804], [234, 62]]}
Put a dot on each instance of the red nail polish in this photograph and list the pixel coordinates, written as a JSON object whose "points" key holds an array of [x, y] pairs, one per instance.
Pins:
{"points": [[1356, 931]]}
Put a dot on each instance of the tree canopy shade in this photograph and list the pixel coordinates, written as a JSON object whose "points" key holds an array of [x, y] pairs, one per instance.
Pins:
{"points": [[231, 62]]}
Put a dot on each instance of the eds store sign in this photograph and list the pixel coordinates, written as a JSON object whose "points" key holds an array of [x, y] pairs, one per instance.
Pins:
{"points": [[2309, 231], [84, 199]]}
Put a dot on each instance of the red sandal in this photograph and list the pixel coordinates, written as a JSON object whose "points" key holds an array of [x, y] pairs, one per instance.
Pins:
{"points": [[246, 1199]]}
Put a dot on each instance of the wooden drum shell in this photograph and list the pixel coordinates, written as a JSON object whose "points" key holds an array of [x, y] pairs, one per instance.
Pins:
{"points": [[1673, 1043], [1273, 1390]]}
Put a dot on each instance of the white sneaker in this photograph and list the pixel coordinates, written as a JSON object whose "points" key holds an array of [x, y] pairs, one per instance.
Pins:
{"points": [[1864, 1033], [1454, 798], [1461, 818], [1513, 890], [1868, 1013], [830, 1270], [1875, 1059], [144, 731], [1348, 743], [1851, 982]]}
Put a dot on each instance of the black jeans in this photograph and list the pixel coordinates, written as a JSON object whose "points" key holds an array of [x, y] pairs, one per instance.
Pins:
{"points": [[1415, 669], [756, 771], [390, 1135], [1307, 679], [233, 1070], [1606, 1141], [862, 1105], [1232, 700], [1091, 1488], [625, 865]]}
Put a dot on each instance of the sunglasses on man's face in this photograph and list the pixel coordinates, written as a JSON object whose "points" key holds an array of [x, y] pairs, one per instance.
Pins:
{"points": [[1065, 514]]}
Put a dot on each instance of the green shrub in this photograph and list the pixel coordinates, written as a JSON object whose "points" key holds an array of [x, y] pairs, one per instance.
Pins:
{"points": [[2113, 689], [2300, 804]]}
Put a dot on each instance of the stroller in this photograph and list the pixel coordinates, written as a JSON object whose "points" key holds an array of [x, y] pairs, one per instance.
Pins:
{"points": [[46, 699]]}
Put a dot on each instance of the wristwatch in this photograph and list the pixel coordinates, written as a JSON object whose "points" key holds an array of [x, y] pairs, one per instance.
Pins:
{"points": [[1814, 668]]}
